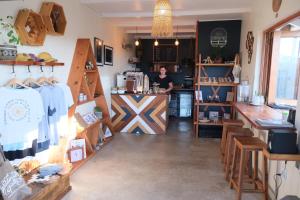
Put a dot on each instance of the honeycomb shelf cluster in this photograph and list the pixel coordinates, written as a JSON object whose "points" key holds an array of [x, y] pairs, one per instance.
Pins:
{"points": [[32, 27]]}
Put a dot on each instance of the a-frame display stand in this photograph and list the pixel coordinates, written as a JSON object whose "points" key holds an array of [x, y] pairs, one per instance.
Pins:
{"points": [[87, 81]]}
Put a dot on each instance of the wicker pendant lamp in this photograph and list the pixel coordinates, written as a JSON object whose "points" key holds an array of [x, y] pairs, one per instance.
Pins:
{"points": [[162, 19]]}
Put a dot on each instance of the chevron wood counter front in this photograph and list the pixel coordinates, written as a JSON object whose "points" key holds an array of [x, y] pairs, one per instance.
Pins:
{"points": [[139, 113]]}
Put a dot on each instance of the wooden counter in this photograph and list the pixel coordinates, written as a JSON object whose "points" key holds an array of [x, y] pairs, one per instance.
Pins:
{"points": [[252, 113], [139, 113]]}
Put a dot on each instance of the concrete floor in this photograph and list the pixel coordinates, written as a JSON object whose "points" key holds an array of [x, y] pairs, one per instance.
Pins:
{"points": [[151, 167]]}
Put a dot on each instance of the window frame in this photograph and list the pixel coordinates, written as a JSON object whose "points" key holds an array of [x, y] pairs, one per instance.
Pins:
{"points": [[274, 66], [266, 59]]}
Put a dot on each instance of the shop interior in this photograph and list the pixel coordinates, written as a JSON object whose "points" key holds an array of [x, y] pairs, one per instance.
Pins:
{"points": [[163, 99]]}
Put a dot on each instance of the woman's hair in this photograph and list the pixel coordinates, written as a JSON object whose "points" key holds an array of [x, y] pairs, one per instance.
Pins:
{"points": [[163, 67]]}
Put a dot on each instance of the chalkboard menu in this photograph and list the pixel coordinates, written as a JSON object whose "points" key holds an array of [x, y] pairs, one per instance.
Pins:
{"points": [[165, 53]]}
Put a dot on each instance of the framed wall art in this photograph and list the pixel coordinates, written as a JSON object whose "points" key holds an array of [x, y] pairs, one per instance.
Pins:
{"points": [[108, 55], [76, 154], [98, 51]]}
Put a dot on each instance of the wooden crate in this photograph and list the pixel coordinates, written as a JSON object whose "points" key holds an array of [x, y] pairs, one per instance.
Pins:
{"points": [[30, 28], [54, 18], [52, 191]]}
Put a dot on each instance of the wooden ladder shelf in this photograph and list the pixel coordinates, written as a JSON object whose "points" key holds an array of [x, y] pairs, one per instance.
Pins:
{"points": [[82, 80]]}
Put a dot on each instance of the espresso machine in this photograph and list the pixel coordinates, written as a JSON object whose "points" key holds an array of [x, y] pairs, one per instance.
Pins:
{"points": [[134, 82]]}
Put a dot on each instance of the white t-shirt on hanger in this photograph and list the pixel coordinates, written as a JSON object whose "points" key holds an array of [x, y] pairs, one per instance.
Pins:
{"points": [[21, 110], [63, 125]]}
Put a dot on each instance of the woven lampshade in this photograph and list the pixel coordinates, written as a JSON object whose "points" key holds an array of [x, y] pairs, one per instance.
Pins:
{"points": [[162, 19]]}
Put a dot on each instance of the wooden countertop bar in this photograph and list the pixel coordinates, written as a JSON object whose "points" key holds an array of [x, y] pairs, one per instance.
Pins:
{"points": [[140, 113], [132, 94], [252, 113]]}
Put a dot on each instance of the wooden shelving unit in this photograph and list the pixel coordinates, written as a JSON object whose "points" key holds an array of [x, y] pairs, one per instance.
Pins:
{"points": [[210, 123], [30, 28], [214, 104], [88, 82], [216, 64], [30, 63], [54, 18], [215, 87], [217, 84]]}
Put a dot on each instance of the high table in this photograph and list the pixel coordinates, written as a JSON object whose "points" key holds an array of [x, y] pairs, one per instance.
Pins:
{"points": [[140, 113], [252, 113]]}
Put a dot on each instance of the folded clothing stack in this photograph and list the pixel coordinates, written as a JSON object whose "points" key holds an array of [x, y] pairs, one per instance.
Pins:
{"points": [[50, 169]]}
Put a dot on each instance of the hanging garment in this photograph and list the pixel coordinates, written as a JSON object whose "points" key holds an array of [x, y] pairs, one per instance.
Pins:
{"points": [[63, 122], [21, 110], [54, 108]]}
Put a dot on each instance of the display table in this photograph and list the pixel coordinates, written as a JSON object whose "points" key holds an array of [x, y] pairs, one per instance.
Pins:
{"points": [[140, 113], [252, 113]]}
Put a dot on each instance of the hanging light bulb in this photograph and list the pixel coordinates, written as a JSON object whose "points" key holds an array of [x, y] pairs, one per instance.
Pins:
{"points": [[176, 41], [137, 42], [156, 43]]}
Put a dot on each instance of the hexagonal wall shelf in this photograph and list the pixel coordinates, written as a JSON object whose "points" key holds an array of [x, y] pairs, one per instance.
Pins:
{"points": [[54, 18], [30, 28]]}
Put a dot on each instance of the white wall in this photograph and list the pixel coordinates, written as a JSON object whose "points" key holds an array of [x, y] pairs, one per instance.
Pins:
{"points": [[261, 18], [81, 23]]}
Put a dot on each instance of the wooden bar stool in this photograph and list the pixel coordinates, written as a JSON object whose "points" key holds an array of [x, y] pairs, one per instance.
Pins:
{"points": [[246, 145], [233, 132], [226, 123]]}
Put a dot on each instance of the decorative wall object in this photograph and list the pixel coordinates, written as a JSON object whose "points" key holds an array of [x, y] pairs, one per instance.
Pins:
{"points": [[108, 55], [30, 28], [218, 37], [162, 25], [54, 18], [249, 45], [276, 4], [98, 51]]}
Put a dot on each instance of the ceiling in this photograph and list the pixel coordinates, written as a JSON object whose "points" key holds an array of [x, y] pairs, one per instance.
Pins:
{"points": [[137, 14]]}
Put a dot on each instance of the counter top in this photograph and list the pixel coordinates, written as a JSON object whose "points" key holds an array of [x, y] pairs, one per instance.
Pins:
{"points": [[132, 94], [140, 113], [252, 113]]}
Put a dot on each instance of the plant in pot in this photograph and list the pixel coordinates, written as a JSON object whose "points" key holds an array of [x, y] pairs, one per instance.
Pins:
{"points": [[98, 112], [9, 39]]}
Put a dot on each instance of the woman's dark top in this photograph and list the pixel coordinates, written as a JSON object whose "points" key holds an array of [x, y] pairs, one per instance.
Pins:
{"points": [[164, 82]]}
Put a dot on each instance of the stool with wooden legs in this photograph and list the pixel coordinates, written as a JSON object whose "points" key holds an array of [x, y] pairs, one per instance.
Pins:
{"points": [[226, 124], [233, 132], [244, 145]]}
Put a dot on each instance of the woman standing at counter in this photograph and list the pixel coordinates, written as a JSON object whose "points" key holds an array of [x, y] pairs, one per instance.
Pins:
{"points": [[164, 80]]}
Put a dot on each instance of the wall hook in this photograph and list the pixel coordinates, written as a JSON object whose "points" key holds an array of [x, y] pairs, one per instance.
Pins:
{"points": [[13, 69]]}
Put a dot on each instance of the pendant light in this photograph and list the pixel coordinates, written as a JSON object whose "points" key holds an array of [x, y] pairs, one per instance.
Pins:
{"points": [[177, 41], [156, 43], [137, 42], [162, 19]]}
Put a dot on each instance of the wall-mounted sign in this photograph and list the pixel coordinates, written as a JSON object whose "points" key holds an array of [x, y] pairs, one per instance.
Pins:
{"points": [[218, 37], [249, 45]]}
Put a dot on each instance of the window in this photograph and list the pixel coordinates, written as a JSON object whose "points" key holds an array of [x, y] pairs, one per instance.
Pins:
{"points": [[284, 72]]}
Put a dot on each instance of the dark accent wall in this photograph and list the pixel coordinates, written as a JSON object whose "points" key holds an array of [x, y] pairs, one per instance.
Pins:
{"points": [[233, 28], [185, 59], [227, 53]]}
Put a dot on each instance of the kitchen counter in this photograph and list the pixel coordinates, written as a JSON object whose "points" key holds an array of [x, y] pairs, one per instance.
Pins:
{"points": [[140, 113]]}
